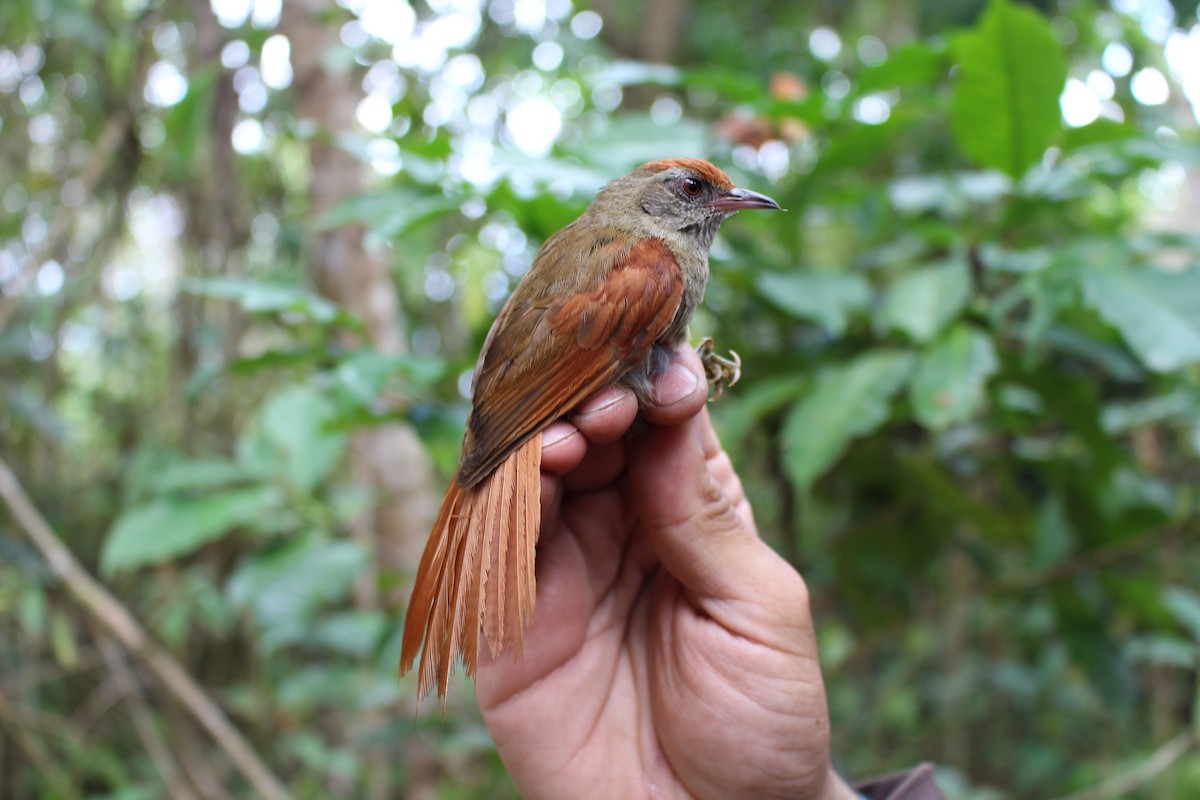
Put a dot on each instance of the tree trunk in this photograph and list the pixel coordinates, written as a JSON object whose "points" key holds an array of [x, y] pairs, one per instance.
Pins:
{"points": [[388, 459]]}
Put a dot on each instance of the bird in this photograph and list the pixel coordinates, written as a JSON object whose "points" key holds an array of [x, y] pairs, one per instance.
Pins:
{"points": [[606, 301]]}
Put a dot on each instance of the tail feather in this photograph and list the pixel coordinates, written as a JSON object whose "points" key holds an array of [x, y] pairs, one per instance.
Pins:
{"points": [[497, 578], [476, 575]]}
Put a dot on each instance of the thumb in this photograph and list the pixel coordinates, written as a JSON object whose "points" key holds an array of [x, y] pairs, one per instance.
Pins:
{"points": [[704, 537]]}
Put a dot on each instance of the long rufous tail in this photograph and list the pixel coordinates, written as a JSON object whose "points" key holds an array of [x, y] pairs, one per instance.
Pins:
{"points": [[477, 572]]}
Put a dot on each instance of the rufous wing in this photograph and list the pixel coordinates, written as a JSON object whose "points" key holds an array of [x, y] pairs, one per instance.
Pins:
{"points": [[545, 355]]}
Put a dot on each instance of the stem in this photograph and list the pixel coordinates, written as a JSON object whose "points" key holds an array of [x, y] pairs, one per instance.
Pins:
{"points": [[122, 625]]}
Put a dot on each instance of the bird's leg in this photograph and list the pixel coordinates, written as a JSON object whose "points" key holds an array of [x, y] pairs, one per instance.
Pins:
{"points": [[720, 371]]}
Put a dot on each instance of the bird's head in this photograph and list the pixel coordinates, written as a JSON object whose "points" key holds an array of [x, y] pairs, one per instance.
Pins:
{"points": [[685, 195]]}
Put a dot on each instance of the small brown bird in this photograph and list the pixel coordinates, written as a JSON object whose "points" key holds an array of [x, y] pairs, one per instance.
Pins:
{"points": [[606, 301]]}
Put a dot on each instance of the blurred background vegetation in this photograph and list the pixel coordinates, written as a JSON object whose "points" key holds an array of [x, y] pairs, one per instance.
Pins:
{"points": [[249, 250]]}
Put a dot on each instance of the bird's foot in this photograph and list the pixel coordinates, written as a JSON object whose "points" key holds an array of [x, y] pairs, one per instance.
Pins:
{"points": [[720, 371]]}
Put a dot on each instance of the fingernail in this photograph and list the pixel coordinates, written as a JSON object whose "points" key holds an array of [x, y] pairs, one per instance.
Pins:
{"points": [[557, 434], [601, 401], [677, 384]]}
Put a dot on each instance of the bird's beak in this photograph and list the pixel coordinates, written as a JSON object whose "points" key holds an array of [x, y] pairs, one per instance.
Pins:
{"points": [[739, 199]]}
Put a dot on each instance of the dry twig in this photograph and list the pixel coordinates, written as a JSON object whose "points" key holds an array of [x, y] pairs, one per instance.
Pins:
{"points": [[1121, 785], [116, 620], [173, 779]]}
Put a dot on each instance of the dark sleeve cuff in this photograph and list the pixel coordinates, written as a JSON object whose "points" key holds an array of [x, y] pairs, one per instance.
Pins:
{"points": [[914, 784]]}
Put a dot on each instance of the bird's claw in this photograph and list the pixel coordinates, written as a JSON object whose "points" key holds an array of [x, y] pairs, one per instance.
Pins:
{"points": [[720, 371]]}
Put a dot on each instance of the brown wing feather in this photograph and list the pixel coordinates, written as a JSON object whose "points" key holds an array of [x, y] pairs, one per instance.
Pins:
{"points": [[546, 355]]}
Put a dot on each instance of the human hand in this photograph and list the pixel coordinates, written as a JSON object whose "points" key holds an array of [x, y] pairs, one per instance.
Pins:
{"points": [[672, 652]]}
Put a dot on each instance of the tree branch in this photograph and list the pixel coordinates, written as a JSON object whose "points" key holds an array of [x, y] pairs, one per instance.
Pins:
{"points": [[174, 782], [1175, 748], [117, 620]]}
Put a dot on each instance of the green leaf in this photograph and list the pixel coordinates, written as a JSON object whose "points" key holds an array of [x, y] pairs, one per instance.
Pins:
{"points": [[1005, 112], [1122, 417], [389, 215], [1164, 651], [821, 297], [858, 146], [1156, 311], [745, 411], [62, 641], [912, 64], [170, 527], [364, 375], [729, 84], [1053, 538], [947, 195], [258, 297], [847, 401], [355, 633], [285, 585], [623, 72], [629, 140], [187, 122], [294, 438], [948, 385], [1185, 605], [922, 302], [194, 474]]}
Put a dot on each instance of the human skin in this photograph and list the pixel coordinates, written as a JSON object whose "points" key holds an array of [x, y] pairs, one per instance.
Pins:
{"points": [[672, 653]]}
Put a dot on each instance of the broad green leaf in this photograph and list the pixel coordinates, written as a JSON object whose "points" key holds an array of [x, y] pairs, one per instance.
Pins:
{"points": [[857, 146], [262, 297], [31, 612], [624, 72], [285, 585], [947, 387], [541, 172], [170, 527], [1128, 489], [356, 633], [62, 641], [294, 438], [1011, 71], [922, 302], [388, 215], [195, 474], [633, 139], [1108, 356], [1053, 537], [947, 195], [912, 64], [365, 374], [747, 407], [733, 85], [473, 262], [1166, 651], [1185, 605], [847, 401], [1122, 417], [1017, 262], [821, 297], [325, 684], [1156, 311], [187, 122]]}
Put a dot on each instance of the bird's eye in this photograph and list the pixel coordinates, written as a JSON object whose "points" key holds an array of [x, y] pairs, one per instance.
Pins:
{"points": [[691, 187]]}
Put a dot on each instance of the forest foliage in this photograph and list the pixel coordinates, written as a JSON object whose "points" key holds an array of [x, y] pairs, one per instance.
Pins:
{"points": [[969, 412]]}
